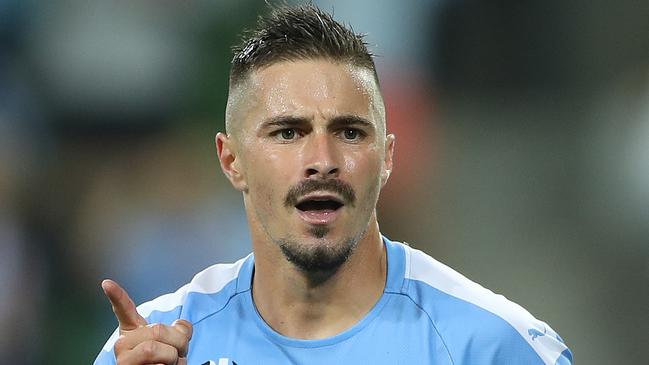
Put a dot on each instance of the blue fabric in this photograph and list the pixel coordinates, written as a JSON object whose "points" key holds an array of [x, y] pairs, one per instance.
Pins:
{"points": [[412, 323]]}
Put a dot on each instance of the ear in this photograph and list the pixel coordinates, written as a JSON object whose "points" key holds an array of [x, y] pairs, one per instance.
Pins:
{"points": [[230, 163], [387, 161]]}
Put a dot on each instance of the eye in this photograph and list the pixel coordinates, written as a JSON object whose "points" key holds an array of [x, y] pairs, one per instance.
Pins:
{"points": [[352, 134], [287, 133]]}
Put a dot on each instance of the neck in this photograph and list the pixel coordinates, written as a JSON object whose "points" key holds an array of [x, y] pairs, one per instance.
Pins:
{"points": [[318, 305]]}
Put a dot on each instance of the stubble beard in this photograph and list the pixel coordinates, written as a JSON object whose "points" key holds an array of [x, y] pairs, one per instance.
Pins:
{"points": [[319, 260]]}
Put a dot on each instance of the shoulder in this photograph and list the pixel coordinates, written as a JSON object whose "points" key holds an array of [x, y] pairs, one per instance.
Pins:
{"points": [[469, 317], [216, 283]]}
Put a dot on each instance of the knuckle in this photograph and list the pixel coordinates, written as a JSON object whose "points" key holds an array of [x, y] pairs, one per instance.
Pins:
{"points": [[157, 330], [149, 349], [182, 350], [187, 336], [173, 354], [120, 344], [185, 328], [124, 358]]}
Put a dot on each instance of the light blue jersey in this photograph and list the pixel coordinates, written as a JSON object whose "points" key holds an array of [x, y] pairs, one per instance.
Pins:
{"points": [[428, 314]]}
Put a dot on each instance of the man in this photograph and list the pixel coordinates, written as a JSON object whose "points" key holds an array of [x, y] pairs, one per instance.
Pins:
{"points": [[306, 144]]}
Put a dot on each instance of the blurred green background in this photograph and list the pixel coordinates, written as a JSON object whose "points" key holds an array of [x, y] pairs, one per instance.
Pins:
{"points": [[522, 157]]}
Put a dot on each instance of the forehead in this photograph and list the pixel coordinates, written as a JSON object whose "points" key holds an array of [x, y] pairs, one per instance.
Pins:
{"points": [[310, 88]]}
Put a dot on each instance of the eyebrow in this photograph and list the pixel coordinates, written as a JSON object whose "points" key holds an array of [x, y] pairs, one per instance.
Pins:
{"points": [[283, 121], [350, 120], [337, 121]]}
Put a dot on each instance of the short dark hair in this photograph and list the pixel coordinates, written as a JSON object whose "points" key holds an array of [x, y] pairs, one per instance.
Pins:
{"points": [[302, 32]]}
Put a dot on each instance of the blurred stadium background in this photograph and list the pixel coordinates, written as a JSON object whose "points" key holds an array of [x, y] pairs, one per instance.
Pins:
{"points": [[522, 157]]}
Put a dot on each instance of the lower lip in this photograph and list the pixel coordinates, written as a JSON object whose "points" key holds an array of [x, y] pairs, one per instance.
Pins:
{"points": [[319, 217]]}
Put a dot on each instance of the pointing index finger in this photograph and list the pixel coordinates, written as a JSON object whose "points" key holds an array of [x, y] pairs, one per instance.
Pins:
{"points": [[123, 307]]}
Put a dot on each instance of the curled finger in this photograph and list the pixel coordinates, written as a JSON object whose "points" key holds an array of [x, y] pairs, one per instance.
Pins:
{"points": [[149, 352]]}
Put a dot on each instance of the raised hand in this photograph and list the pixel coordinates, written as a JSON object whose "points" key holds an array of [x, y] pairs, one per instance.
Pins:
{"points": [[142, 343]]}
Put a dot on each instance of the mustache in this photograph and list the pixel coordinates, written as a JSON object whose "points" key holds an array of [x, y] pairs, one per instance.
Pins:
{"points": [[308, 186]]}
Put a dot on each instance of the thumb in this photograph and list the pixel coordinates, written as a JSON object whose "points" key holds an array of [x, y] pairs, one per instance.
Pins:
{"points": [[184, 326], [123, 306], [186, 329]]}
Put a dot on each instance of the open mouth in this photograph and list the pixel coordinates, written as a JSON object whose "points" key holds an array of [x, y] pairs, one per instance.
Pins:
{"points": [[318, 205], [319, 209]]}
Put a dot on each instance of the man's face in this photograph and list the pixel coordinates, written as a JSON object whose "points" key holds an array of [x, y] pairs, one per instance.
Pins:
{"points": [[310, 155]]}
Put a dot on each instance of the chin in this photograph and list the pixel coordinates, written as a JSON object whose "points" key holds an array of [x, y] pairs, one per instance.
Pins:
{"points": [[326, 255], [319, 231]]}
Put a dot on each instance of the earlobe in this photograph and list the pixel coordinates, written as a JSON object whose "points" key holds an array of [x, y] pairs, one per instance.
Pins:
{"points": [[230, 163], [388, 160]]}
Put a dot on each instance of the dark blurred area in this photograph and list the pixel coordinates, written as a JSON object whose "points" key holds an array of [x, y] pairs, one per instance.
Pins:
{"points": [[522, 157]]}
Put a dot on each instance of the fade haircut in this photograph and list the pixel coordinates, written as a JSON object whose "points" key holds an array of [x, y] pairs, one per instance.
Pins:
{"points": [[298, 33]]}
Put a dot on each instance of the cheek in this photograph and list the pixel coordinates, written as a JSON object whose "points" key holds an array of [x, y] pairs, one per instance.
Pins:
{"points": [[261, 166], [262, 195], [350, 164], [365, 172], [365, 166], [266, 177]]}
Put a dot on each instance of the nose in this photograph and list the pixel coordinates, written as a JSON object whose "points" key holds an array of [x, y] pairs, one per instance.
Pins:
{"points": [[321, 160]]}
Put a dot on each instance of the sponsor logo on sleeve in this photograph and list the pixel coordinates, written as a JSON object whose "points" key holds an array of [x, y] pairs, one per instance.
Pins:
{"points": [[534, 333]]}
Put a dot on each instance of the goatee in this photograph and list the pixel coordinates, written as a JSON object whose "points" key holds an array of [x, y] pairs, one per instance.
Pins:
{"points": [[321, 258]]}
